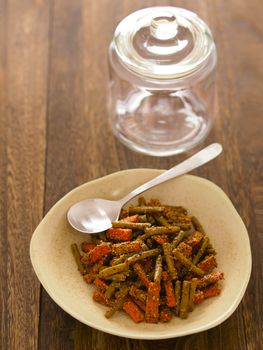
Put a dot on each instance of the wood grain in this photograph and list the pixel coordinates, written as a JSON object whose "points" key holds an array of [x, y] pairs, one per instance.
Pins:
{"points": [[54, 135], [23, 72]]}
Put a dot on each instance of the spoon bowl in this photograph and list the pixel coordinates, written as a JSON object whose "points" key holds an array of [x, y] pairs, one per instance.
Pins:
{"points": [[96, 215], [93, 215]]}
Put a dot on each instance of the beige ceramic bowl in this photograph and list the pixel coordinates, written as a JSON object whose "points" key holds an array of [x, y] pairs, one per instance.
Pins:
{"points": [[54, 265]]}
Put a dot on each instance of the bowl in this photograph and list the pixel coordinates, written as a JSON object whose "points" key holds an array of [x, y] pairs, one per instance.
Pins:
{"points": [[56, 269]]}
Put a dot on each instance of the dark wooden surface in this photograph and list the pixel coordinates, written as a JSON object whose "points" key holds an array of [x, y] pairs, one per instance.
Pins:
{"points": [[54, 136]]}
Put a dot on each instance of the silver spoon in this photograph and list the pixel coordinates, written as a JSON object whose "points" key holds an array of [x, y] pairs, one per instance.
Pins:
{"points": [[95, 215]]}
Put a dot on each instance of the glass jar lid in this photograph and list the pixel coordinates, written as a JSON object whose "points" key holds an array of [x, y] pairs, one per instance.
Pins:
{"points": [[163, 42]]}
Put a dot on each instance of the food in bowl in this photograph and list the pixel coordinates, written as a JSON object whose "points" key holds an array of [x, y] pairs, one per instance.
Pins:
{"points": [[52, 260], [155, 263]]}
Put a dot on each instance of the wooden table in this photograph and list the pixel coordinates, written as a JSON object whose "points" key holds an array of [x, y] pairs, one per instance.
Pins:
{"points": [[54, 136]]}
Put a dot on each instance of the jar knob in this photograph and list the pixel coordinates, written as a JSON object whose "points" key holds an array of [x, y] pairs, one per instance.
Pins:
{"points": [[164, 27]]}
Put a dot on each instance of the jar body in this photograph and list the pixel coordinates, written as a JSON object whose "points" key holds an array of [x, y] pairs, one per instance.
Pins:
{"points": [[160, 117]]}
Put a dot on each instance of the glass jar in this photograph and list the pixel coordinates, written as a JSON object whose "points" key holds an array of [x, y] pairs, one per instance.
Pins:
{"points": [[162, 80]]}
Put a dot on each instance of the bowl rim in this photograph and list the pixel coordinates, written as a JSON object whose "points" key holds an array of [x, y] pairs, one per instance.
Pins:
{"points": [[155, 335]]}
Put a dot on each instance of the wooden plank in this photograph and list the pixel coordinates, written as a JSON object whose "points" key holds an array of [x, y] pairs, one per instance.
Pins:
{"points": [[70, 141], [79, 142], [3, 175], [243, 41], [23, 64]]}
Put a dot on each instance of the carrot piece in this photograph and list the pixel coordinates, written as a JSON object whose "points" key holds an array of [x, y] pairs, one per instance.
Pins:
{"points": [[212, 290], [161, 239], [185, 249], [210, 279], [207, 292], [100, 251], [99, 297], [120, 234], [165, 315], [208, 263], [142, 275], [199, 297], [87, 246], [126, 247], [132, 218], [169, 290], [89, 277], [100, 284], [152, 303], [133, 310]]}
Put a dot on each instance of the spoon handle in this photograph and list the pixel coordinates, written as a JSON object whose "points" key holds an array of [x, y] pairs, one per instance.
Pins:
{"points": [[204, 156]]}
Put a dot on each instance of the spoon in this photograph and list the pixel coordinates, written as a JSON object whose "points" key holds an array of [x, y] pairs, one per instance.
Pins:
{"points": [[95, 215]]}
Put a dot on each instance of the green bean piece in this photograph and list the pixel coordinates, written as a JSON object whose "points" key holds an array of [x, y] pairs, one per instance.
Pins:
{"points": [[119, 302], [102, 236], [151, 219], [149, 243], [178, 296], [191, 294], [142, 255], [138, 293], [185, 299], [178, 209], [178, 239], [143, 218], [150, 275], [136, 233], [145, 210], [184, 227], [188, 263], [171, 215], [118, 277], [191, 230], [158, 269], [142, 201], [167, 250], [119, 259], [211, 251], [113, 270], [197, 225], [183, 272], [77, 256], [151, 231], [161, 220], [111, 289], [132, 225], [201, 250], [144, 246], [137, 283], [94, 239]]}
